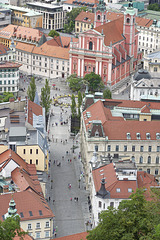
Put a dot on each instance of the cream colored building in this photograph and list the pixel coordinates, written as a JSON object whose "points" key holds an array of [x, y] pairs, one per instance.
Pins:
{"points": [[152, 62], [116, 129]]}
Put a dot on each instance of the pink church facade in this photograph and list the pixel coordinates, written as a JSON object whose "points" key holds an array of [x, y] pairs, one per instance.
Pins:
{"points": [[110, 49]]}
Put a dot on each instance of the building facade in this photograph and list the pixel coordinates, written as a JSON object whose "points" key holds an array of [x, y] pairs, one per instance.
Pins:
{"points": [[121, 129], [104, 50], [5, 17], [53, 15], [9, 77], [152, 62]]}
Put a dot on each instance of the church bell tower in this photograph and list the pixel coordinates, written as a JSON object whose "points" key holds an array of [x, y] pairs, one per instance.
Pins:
{"points": [[100, 14]]}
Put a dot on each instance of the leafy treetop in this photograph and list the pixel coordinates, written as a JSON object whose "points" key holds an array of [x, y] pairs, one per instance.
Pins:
{"points": [[53, 33]]}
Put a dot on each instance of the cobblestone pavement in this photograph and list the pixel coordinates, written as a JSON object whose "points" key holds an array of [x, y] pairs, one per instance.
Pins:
{"points": [[70, 215]]}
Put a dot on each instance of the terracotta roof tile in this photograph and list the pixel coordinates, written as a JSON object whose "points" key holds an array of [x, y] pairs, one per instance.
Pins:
{"points": [[144, 22], [3, 49], [25, 47], [145, 180], [83, 15], [33, 108], [145, 109], [25, 237], [7, 155], [7, 64], [78, 236], [26, 201]]}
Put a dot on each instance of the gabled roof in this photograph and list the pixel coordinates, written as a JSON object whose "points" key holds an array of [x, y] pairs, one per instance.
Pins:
{"points": [[77, 236], [144, 22], [24, 181], [3, 49], [9, 155], [26, 201], [145, 180], [87, 17], [145, 109]]}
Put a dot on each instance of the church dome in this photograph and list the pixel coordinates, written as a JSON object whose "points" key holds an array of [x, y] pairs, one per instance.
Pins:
{"points": [[142, 73]]}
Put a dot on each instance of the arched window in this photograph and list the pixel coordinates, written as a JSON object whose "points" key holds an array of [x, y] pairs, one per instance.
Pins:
{"points": [[157, 160], [141, 159], [133, 158], [149, 159], [90, 45], [98, 17], [128, 20]]}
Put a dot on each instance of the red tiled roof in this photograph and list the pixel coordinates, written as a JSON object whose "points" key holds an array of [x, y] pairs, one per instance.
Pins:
{"points": [[112, 183], [24, 181], [78, 236], [145, 109], [81, 17], [144, 22], [33, 108], [3, 49], [9, 155], [145, 180], [25, 237], [26, 201], [9, 65]]}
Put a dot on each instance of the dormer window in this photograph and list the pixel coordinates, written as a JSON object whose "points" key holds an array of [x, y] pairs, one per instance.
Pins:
{"points": [[157, 135], [118, 190], [138, 135], [148, 135], [128, 136]]}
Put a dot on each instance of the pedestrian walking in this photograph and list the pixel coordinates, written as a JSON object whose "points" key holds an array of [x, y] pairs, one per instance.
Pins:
{"points": [[77, 199], [49, 199], [54, 162], [70, 160], [71, 199], [53, 201]]}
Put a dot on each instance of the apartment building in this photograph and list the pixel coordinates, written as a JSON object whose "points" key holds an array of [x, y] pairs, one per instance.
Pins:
{"points": [[5, 17], [121, 129], [152, 62], [53, 14]]}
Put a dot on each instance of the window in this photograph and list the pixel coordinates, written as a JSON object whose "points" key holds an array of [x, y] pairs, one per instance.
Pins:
{"points": [[24, 151], [117, 148], [30, 151], [148, 135], [155, 69], [29, 226], [98, 17], [47, 224], [156, 171], [36, 161], [99, 204], [85, 68], [148, 170], [96, 148], [45, 64], [158, 148], [157, 160], [21, 214], [46, 234], [103, 205], [38, 234], [149, 148], [30, 213], [141, 159], [141, 148], [133, 148], [128, 20], [125, 148], [36, 151], [111, 204], [118, 190], [149, 159], [129, 189], [109, 148], [45, 59], [57, 61], [38, 225], [57, 67], [138, 136], [30, 161], [133, 158], [93, 69], [90, 45]]}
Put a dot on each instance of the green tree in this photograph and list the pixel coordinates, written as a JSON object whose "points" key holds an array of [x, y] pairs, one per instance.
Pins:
{"points": [[107, 94], [45, 97], [154, 7], [10, 227], [94, 81], [70, 18], [79, 103], [73, 107], [53, 33], [134, 219], [6, 96], [31, 91], [75, 83]]}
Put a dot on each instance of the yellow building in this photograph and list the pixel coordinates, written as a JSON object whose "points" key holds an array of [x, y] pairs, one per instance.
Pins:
{"points": [[35, 151], [84, 21], [24, 17]]}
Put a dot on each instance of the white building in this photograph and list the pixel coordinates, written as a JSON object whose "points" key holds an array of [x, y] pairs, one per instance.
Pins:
{"points": [[152, 62], [112, 183], [48, 60], [145, 87], [53, 15]]}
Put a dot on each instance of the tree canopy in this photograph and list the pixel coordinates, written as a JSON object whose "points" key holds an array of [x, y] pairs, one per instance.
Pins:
{"points": [[71, 16], [10, 227], [134, 219], [94, 81], [31, 91], [45, 97], [75, 83], [73, 107], [107, 94], [53, 33], [154, 7]]}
